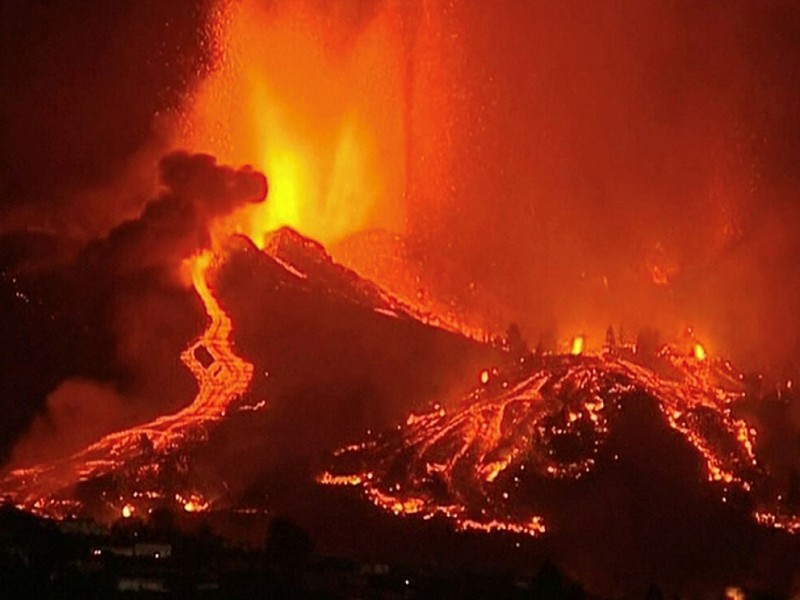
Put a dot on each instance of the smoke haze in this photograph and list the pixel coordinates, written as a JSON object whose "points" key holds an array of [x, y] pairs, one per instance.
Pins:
{"points": [[625, 163]]}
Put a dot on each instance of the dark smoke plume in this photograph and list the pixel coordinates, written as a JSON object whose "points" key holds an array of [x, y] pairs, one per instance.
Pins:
{"points": [[177, 223]]}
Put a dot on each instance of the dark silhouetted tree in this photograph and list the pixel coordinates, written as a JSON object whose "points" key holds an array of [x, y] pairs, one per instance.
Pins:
{"points": [[514, 341], [648, 342], [611, 340]]}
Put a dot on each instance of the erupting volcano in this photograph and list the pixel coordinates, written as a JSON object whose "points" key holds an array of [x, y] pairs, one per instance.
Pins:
{"points": [[154, 464], [446, 180]]}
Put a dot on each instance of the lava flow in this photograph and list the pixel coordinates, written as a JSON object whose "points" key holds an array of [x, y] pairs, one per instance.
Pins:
{"points": [[221, 376], [489, 462]]}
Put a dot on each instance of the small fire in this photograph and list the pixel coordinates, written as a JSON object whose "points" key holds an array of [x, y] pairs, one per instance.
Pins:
{"points": [[127, 511], [577, 345], [485, 376], [699, 351], [192, 503], [734, 593]]}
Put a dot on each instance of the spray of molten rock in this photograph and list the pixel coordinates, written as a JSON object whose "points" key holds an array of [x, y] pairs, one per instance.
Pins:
{"points": [[495, 459]]}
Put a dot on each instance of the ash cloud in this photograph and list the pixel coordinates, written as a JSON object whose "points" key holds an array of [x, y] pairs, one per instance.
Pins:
{"points": [[77, 413], [177, 223]]}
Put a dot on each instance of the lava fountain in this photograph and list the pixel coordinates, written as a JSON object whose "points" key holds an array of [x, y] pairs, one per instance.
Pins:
{"points": [[313, 98]]}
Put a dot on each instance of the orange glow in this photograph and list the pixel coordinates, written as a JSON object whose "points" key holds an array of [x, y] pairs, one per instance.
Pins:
{"points": [[485, 376], [483, 449], [533, 528], [316, 107], [192, 503], [699, 352], [577, 345], [734, 593], [127, 511]]}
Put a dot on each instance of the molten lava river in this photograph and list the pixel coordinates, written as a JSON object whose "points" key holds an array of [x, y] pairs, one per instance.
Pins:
{"points": [[544, 419], [46, 489]]}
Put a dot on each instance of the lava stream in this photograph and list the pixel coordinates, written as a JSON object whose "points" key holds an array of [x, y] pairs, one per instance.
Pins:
{"points": [[45, 488], [483, 462]]}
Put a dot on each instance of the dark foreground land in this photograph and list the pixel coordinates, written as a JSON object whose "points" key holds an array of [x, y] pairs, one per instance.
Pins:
{"points": [[171, 556]]}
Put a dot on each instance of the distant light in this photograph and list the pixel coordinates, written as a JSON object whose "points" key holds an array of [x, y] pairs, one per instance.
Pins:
{"points": [[734, 593], [485, 376], [190, 507], [127, 511]]}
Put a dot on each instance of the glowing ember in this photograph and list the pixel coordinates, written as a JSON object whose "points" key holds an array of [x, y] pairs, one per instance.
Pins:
{"points": [[46, 488], [193, 503], [734, 593], [699, 352], [577, 346], [127, 511], [192, 506], [485, 376]]}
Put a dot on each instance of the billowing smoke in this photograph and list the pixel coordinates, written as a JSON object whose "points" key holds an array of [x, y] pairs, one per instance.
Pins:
{"points": [[77, 413], [177, 224]]}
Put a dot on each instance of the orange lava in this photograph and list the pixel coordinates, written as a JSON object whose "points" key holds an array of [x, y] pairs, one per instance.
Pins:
{"points": [[228, 377], [46, 488], [468, 464]]}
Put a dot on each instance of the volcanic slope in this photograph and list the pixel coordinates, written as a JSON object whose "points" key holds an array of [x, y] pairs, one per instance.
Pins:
{"points": [[504, 456], [627, 468], [299, 355]]}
